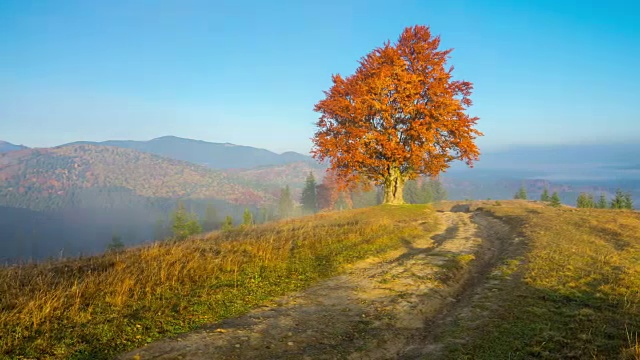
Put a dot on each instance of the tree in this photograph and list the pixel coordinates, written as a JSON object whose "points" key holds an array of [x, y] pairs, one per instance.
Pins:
{"points": [[628, 201], [521, 193], [585, 201], [285, 203], [618, 201], [227, 224], [116, 244], [184, 224], [438, 192], [309, 197], [545, 195], [555, 200], [247, 218], [602, 202], [399, 116]]}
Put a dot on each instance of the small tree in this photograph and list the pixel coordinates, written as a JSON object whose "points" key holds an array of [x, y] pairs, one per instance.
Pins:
{"points": [[116, 244], [309, 197], [555, 199], [437, 190], [184, 224], [628, 201], [285, 203], [247, 218], [227, 224], [545, 195], [585, 201], [602, 202], [521, 194], [618, 201]]}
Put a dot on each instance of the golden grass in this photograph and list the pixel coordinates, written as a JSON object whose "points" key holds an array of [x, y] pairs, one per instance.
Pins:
{"points": [[573, 290], [99, 306]]}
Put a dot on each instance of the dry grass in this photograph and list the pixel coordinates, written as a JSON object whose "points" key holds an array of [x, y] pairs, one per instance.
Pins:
{"points": [[99, 306], [573, 290]]}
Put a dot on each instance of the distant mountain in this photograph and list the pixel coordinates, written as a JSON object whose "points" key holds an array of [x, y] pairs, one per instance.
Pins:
{"points": [[211, 155], [73, 199], [7, 147], [31, 178]]}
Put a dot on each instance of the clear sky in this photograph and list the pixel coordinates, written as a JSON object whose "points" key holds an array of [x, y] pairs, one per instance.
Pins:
{"points": [[249, 72]]}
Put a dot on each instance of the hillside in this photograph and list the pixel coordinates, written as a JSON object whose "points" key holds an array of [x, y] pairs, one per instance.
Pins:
{"points": [[85, 194], [212, 155], [6, 147], [470, 280]]}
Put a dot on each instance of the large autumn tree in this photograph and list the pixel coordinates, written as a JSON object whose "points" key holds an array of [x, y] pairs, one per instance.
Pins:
{"points": [[399, 116]]}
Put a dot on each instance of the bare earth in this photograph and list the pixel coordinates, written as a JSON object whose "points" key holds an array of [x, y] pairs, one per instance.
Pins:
{"points": [[391, 307]]}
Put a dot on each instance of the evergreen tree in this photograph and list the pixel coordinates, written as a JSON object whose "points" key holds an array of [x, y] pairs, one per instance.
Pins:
{"points": [[116, 244], [545, 195], [628, 201], [411, 192], [309, 197], [184, 224], [427, 191], [618, 201], [602, 202], [521, 194], [247, 218], [438, 191], [227, 224], [585, 201], [555, 199], [285, 203], [262, 215], [211, 221]]}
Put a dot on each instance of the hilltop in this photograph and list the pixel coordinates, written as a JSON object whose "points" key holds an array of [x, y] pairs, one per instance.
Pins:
{"points": [[209, 154], [6, 147], [459, 280]]}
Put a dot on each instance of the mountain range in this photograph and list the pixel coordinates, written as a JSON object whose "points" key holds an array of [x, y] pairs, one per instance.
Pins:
{"points": [[7, 147], [212, 155]]}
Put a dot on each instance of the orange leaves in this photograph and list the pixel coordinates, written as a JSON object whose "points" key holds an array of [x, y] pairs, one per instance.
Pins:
{"points": [[400, 110]]}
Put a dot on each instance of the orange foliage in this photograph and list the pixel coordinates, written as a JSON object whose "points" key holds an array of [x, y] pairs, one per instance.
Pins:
{"points": [[400, 115]]}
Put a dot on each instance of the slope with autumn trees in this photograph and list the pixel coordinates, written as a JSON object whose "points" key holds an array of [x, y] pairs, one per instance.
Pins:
{"points": [[399, 116]]}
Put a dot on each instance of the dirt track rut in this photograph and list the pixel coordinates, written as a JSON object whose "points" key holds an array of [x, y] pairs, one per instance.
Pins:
{"points": [[389, 307]]}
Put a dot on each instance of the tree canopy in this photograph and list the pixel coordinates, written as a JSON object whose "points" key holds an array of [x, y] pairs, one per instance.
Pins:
{"points": [[399, 116]]}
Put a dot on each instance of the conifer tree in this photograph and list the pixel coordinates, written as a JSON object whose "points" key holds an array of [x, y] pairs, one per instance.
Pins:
{"points": [[184, 224], [411, 192], [521, 194], [285, 203], [545, 195], [227, 224], [438, 191], [618, 201], [585, 201], [555, 199], [116, 244], [309, 197], [247, 218], [628, 201], [602, 202]]}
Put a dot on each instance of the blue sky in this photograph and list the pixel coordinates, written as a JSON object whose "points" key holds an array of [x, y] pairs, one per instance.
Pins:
{"points": [[249, 72]]}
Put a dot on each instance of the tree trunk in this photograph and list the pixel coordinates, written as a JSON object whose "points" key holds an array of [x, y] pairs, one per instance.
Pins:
{"points": [[393, 184]]}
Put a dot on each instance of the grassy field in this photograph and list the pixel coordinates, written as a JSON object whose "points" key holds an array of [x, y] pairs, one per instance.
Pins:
{"points": [[96, 307], [569, 289]]}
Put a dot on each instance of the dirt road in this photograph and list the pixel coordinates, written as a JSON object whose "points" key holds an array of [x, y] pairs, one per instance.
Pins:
{"points": [[389, 307]]}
